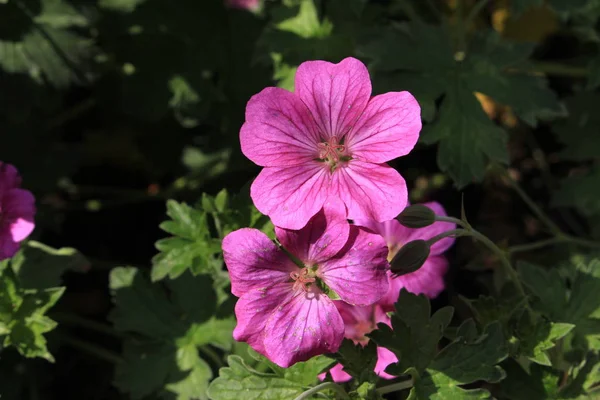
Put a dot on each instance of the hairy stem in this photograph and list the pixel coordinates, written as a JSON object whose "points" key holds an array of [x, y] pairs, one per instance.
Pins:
{"points": [[212, 355], [323, 386], [394, 387]]}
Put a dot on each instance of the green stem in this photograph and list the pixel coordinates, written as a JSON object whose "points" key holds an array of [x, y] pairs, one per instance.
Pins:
{"points": [[551, 68], [535, 245], [474, 12], [76, 320], [92, 349], [323, 386], [395, 387], [212, 355], [453, 220], [452, 233], [554, 229]]}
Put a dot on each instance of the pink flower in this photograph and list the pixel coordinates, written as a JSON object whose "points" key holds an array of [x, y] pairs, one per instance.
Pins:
{"points": [[17, 209], [429, 279], [329, 140], [283, 311], [359, 321], [243, 4]]}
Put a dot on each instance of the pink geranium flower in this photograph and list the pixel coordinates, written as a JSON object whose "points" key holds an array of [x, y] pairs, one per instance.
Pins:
{"points": [[358, 322], [17, 209], [427, 280], [329, 140], [243, 4], [284, 311]]}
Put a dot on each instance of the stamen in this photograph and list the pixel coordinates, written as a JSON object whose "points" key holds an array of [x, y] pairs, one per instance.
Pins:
{"points": [[303, 279]]}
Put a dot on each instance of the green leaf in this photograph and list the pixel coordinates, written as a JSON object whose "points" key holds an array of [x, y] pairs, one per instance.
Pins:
{"points": [[191, 246], [539, 383], [580, 192], [537, 336], [469, 358], [570, 302], [48, 50], [357, 360], [239, 378], [578, 131], [414, 335], [38, 266], [170, 332], [22, 316], [468, 139]]}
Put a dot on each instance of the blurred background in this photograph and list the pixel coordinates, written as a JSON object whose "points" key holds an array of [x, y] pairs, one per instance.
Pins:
{"points": [[110, 107]]}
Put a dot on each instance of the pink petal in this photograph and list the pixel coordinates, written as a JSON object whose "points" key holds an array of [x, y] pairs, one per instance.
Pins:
{"points": [[306, 326], [9, 178], [336, 94], [337, 374], [396, 235], [291, 195], [322, 238], [254, 261], [8, 247], [384, 358], [18, 211], [279, 130], [370, 191], [389, 128], [427, 280], [358, 273], [253, 310]]}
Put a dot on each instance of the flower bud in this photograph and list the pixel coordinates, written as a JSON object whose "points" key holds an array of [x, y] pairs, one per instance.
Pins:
{"points": [[417, 216], [410, 257]]}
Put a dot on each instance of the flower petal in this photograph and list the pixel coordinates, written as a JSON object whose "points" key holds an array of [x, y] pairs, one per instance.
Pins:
{"points": [[253, 310], [306, 326], [291, 195], [358, 273], [384, 358], [322, 238], [254, 261], [389, 128], [9, 178], [337, 374], [335, 94], [427, 280], [370, 191], [18, 211], [279, 129]]}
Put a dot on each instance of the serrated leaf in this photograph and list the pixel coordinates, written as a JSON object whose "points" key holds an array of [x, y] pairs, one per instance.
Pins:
{"points": [[22, 316], [238, 378], [414, 335], [163, 358], [465, 360], [468, 139], [358, 361]]}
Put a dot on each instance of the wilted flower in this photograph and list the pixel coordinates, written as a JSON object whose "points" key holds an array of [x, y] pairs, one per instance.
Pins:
{"points": [[17, 209], [358, 322], [329, 140], [284, 311], [429, 279]]}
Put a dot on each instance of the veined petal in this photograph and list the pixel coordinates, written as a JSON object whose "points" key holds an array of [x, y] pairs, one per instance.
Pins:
{"points": [[253, 310], [358, 273], [254, 261], [389, 128], [305, 326], [337, 374], [370, 191], [290, 196], [279, 129], [384, 358], [322, 238], [335, 94]]}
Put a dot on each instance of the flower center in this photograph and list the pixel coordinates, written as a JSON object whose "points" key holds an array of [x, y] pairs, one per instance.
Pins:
{"points": [[304, 278], [333, 152], [363, 328]]}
